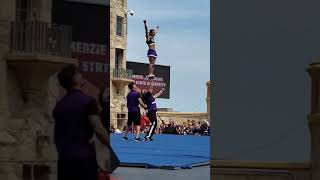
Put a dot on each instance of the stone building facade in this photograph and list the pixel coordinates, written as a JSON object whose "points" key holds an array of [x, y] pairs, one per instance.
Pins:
{"points": [[28, 88], [120, 76]]}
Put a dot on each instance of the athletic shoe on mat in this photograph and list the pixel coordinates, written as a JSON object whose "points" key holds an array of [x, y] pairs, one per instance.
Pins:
{"points": [[148, 139]]}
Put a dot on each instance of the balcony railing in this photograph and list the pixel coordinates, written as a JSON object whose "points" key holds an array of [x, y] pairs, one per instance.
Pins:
{"points": [[41, 38], [122, 73]]}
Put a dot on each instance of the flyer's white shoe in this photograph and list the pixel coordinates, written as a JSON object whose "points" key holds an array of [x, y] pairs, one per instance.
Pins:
{"points": [[150, 76]]}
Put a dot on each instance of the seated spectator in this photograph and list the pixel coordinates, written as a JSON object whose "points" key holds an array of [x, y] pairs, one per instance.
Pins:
{"points": [[193, 123], [189, 123], [146, 129], [179, 130], [186, 131], [184, 124], [161, 127], [171, 124], [205, 129], [208, 130], [112, 128], [196, 131]]}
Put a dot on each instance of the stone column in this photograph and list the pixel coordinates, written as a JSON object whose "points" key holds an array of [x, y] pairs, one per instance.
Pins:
{"points": [[3, 90], [314, 120], [7, 15], [117, 8], [112, 61], [208, 99]]}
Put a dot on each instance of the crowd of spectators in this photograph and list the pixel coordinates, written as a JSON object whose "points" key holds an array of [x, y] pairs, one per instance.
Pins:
{"points": [[186, 128]]}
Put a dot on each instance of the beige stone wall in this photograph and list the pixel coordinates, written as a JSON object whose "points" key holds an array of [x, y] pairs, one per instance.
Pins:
{"points": [[26, 125], [29, 127], [117, 9], [26, 129], [117, 100], [7, 14], [7, 141], [7, 10]]}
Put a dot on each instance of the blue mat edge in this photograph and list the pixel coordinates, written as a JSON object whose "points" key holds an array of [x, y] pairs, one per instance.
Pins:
{"points": [[149, 166]]}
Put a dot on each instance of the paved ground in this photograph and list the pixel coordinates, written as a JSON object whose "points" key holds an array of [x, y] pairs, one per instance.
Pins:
{"points": [[197, 173]]}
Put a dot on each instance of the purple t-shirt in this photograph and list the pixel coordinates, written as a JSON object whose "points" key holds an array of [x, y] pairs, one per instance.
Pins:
{"points": [[73, 130], [151, 102], [133, 101]]}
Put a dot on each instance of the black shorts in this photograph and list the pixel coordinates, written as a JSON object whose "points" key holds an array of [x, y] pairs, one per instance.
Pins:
{"points": [[85, 169], [134, 117], [152, 116]]}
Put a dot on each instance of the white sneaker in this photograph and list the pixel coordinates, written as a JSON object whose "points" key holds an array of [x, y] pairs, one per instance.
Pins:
{"points": [[150, 76]]}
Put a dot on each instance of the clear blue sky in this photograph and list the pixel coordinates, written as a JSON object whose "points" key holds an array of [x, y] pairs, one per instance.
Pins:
{"points": [[183, 43]]}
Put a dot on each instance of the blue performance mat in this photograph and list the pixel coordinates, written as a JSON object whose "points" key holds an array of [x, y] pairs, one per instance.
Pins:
{"points": [[165, 152]]}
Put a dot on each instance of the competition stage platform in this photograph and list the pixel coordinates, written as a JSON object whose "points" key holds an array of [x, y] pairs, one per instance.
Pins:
{"points": [[165, 152]]}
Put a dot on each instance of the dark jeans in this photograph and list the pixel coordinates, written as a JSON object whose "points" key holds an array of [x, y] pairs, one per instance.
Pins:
{"points": [[84, 169]]}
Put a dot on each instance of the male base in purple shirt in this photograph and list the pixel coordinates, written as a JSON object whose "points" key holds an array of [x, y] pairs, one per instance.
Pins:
{"points": [[133, 102], [150, 99]]}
